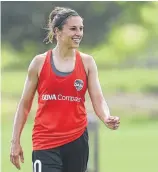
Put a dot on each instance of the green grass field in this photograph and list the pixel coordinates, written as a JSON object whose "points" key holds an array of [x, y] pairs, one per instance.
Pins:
{"points": [[112, 81], [133, 148]]}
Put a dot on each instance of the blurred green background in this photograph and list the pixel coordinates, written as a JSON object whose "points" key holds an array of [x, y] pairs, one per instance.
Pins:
{"points": [[123, 38]]}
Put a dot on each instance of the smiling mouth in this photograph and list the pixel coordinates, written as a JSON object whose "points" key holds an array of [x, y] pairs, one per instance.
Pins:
{"points": [[76, 40]]}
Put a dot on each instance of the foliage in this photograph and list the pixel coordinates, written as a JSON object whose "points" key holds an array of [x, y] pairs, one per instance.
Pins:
{"points": [[116, 33]]}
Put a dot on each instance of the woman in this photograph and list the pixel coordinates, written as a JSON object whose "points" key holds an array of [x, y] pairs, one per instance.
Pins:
{"points": [[61, 77]]}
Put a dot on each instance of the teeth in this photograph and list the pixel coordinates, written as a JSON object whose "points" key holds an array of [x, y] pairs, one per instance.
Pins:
{"points": [[76, 40]]}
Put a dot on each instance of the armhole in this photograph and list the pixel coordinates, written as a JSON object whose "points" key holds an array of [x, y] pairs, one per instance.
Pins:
{"points": [[81, 62], [46, 60]]}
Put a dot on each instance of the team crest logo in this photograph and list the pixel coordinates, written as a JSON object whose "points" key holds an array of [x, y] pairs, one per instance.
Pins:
{"points": [[78, 84]]}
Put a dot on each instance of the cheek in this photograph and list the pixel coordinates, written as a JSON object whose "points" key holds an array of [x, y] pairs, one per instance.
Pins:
{"points": [[66, 38], [63, 38]]}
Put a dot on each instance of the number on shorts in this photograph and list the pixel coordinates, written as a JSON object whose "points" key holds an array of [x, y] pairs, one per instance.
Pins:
{"points": [[37, 162]]}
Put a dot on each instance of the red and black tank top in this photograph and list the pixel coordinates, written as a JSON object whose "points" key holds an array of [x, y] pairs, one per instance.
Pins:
{"points": [[61, 115]]}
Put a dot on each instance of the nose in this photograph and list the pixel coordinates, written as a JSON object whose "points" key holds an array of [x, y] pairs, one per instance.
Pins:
{"points": [[78, 32]]}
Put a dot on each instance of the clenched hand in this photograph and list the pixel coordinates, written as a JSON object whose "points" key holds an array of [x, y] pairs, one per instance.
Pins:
{"points": [[112, 122]]}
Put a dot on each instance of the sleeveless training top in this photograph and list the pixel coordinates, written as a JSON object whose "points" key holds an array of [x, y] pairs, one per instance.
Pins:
{"points": [[61, 115]]}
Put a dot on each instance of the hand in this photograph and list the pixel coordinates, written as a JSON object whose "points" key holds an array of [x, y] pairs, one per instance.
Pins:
{"points": [[112, 122], [16, 153]]}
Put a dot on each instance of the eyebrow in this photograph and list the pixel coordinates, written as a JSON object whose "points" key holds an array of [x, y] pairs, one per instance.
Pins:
{"points": [[76, 26]]}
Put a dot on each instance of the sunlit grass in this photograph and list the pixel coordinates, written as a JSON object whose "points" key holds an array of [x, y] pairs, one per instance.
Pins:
{"points": [[112, 81], [131, 148]]}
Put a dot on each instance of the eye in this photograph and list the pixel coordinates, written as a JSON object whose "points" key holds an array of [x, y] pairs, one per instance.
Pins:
{"points": [[81, 28], [73, 28]]}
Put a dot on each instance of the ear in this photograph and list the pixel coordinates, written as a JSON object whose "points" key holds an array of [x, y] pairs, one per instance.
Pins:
{"points": [[56, 31]]}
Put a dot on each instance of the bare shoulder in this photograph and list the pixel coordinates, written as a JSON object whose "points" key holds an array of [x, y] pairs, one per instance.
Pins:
{"points": [[40, 58], [86, 57], [37, 63], [88, 61]]}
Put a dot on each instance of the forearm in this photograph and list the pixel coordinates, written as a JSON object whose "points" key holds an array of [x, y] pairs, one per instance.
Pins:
{"points": [[101, 109], [19, 121]]}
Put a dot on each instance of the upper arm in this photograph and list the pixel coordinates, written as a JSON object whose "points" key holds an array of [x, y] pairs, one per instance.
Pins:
{"points": [[31, 82], [94, 87]]}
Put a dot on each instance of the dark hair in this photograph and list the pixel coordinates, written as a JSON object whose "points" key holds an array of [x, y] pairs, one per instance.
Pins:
{"points": [[57, 18]]}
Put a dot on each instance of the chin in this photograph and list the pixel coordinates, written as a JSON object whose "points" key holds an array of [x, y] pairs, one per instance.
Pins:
{"points": [[75, 46]]}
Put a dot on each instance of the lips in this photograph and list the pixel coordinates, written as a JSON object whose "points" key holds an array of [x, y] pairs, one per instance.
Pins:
{"points": [[76, 40]]}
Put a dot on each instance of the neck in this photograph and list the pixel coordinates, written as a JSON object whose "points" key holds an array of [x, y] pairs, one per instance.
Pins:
{"points": [[64, 52]]}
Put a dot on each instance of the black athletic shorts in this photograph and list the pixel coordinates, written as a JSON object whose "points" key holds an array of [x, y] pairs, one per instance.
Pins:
{"points": [[71, 157]]}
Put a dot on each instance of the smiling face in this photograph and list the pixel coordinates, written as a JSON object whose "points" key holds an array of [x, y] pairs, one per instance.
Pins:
{"points": [[71, 33]]}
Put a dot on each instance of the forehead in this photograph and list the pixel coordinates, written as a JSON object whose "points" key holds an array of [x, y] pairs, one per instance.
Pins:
{"points": [[74, 21]]}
